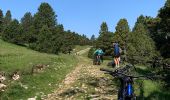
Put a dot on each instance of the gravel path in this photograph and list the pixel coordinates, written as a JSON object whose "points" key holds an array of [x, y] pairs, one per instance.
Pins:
{"points": [[80, 75]]}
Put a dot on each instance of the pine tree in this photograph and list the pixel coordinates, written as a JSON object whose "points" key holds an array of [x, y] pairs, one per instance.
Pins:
{"points": [[8, 18], [103, 28], [149, 24], [164, 30], [92, 39], [1, 22], [104, 40], [61, 39], [44, 40], [66, 44], [13, 32], [45, 16], [141, 47], [28, 28], [121, 34], [27, 21], [122, 31]]}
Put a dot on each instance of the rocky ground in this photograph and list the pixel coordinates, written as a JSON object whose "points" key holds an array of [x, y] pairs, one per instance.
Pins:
{"points": [[85, 82]]}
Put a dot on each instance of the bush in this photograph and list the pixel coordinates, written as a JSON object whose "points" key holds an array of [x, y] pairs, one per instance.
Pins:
{"points": [[91, 51], [107, 57], [167, 60]]}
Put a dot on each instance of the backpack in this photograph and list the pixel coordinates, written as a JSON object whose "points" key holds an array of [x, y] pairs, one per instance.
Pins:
{"points": [[116, 49]]}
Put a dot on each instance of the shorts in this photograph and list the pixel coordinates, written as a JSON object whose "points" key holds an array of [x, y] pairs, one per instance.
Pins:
{"points": [[117, 56]]}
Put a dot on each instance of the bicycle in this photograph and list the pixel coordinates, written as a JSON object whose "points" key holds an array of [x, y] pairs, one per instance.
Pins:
{"points": [[97, 60], [126, 91]]}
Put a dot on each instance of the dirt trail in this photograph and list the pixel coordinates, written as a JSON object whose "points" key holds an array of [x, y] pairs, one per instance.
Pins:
{"points": [[77, 84], [83, 51]]}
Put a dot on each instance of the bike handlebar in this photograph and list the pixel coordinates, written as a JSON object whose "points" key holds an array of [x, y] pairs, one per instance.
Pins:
{"points": [[119, 73], [106, 70], [117, 70]]}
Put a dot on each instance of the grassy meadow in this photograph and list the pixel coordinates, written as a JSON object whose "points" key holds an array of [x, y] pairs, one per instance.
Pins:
{"points": [[13, 57]]}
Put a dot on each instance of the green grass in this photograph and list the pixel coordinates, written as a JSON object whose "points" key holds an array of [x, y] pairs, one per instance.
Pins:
{"points": [[13, 57], [150, 89], [85, 54]]}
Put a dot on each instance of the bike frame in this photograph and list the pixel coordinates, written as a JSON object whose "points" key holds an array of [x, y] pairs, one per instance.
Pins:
{"points": [[126, 89]]}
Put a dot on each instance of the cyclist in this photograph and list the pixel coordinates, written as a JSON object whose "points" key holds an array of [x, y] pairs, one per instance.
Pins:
{"points": [[116, 53], [98, 55]]}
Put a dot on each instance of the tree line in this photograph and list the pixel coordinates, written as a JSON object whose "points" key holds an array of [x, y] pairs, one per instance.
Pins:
{"points": [[40, 31], [150, 37]]}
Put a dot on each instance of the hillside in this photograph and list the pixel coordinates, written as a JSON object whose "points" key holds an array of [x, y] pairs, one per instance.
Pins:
{"points": [[16, 58], [66, 77]]}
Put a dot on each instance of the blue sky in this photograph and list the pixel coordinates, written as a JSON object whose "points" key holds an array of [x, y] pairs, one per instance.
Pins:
{"points": [[86, 16]]}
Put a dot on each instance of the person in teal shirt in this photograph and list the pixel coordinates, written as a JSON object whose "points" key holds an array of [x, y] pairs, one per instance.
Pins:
{"points": [[99, 55]]}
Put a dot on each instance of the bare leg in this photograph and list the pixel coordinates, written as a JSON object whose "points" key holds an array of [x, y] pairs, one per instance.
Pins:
{"points": [[118, 62], [115, 61], [97, 60]]}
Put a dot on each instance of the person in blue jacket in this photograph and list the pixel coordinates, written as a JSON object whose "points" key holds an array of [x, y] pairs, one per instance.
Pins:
{"points": [[116, 53]]}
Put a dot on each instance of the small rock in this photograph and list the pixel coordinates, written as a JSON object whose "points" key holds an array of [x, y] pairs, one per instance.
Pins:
{"points": [[49, 95], [32, 98], [94, 96], [42, 93], [2, 78], [2, 86], [24, 86], [96, 89], [15, 77], [2, 90]]}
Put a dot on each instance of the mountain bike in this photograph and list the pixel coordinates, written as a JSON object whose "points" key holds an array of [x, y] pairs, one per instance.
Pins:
{"points": [[97, 60], [126, 91]]}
